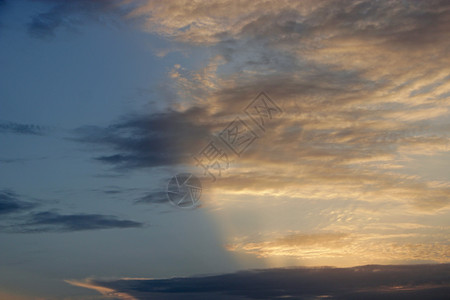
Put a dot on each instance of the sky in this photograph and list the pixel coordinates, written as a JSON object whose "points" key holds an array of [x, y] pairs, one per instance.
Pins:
{"points": [[318, 130]]}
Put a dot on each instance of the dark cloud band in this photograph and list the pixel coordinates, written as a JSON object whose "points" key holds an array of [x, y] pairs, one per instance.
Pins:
{"points": [[365, 282]]}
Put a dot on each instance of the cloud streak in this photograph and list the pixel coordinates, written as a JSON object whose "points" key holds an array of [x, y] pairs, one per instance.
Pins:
{"points": [[19, 216], [55, 222], [17, 128], [10, 203]]}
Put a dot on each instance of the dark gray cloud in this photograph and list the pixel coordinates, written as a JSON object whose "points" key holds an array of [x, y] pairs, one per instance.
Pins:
{"points": [[10, 203], [55, 222], [147, 141], [365, 282], [114, 190], [20, 216], [17, 128]]}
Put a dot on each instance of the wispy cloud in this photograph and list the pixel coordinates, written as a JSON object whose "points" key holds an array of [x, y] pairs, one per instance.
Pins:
{"points": [[51, 221], [20, 216], [10, 203], [153, 197], [17, 128]]}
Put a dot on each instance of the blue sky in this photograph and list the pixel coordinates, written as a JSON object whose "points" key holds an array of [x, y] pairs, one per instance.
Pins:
{"points": [[102, 102]]}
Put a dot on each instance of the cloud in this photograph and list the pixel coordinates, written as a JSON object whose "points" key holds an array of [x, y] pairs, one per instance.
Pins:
{"points": [[17, 128], [10, 203], [102, 290], [364, 282], [140, 196], [287, 22], [55, 222], [389, 246], [356, 109], [19, 160], [20, 216], [364, 88], [207, 22], [143, 141], [153, 197]]}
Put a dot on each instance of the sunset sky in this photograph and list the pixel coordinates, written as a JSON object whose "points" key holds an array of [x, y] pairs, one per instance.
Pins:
{"points": [[103, 102]]}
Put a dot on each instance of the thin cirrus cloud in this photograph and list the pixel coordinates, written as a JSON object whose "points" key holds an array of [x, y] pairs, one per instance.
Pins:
{"points": [[51, 221], [20, 216], [10, 203], [366, 282], [19, 128], [152, 198]]}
